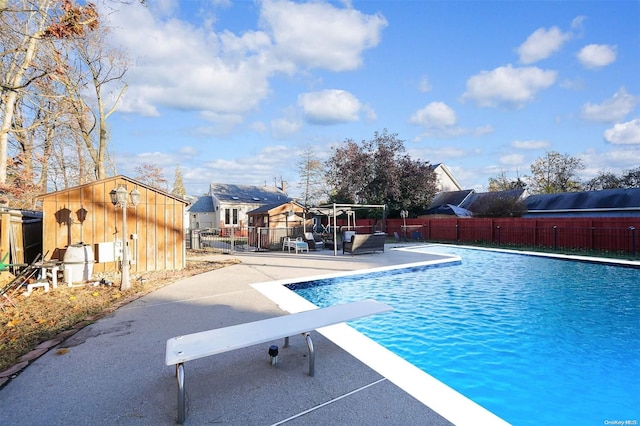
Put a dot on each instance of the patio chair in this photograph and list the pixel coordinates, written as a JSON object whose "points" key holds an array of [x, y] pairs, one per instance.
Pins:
{"points": [[315, 241]]}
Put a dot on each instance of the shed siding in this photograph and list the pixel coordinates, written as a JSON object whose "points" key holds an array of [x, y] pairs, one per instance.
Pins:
{"points": [[157, 221]]}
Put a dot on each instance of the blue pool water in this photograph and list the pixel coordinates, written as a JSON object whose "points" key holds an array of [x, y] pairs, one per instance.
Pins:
{"points": [[532, 339]]}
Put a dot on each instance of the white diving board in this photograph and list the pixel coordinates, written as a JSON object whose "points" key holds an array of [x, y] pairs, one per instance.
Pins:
{"points": [[189, 347]]}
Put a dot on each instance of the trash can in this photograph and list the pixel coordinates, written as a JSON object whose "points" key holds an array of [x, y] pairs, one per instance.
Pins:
{"points": [[78, 263]]}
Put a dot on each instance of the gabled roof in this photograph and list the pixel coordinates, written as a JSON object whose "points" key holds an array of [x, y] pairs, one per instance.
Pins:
{"points": [[606, 199], [443, 171], [247, 194], [455, 198], [114, 178], [204, 204]]}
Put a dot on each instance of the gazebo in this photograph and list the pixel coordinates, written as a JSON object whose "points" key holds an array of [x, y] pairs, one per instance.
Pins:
{"points": [[332, 211]]}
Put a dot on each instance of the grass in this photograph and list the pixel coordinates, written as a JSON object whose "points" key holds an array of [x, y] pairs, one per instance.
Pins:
{"points": [[41, 316]]}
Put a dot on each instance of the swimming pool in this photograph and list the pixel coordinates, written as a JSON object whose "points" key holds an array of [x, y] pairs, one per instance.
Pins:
{"points": [[534, 340]]}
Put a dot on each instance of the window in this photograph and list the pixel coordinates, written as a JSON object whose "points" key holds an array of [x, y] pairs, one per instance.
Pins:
{"points": [[230, 216]]}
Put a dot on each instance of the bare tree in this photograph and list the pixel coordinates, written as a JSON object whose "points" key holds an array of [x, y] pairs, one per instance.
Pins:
{"points": [[555, 173], [96, 72], [503, 183], [152, 175], [25, 26], [608, 180], [311, 172]]}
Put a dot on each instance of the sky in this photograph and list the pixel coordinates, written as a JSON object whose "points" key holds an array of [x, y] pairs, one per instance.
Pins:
{"points": [[233, 91]]}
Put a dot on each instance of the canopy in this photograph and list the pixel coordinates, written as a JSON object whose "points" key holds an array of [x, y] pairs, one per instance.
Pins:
{"points": [[334, 210]]}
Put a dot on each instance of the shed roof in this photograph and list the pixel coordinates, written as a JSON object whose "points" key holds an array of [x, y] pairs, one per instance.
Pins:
{"points": [[121, 177], [268, 207], [609, 199], [248, 194]]}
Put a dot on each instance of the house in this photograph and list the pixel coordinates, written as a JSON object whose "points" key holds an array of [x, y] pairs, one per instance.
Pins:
{"points": [[201, 213], [227, 205], [602, 203], [446, 181], [85, 216]]}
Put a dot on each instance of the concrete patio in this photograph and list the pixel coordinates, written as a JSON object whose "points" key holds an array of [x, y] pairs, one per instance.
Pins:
{"points": [[114, 373]]}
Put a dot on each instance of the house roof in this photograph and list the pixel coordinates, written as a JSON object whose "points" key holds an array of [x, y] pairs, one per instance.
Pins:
{"points": [[248, 194], [203, 204], [475, 199], [606, 199], [455, 198], [449, 209]]}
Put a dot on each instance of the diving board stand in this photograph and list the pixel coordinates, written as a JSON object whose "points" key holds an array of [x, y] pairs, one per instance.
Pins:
{"points": [[189, 347]]}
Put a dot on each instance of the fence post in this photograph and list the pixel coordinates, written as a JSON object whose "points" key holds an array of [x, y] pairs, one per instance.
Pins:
{"points": [[633, 240], [555, 237], [457, 233], [498, 234], [232, 240]]}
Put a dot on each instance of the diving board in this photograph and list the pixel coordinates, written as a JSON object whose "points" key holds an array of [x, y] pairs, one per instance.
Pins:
{"points": [[193, 346]]}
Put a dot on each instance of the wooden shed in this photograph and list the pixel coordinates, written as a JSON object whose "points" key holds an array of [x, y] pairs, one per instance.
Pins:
{"points": [[85, 216]]}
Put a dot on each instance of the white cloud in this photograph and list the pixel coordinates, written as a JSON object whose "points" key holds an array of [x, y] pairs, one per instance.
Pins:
{"points": [[531, 144], [624, 133], [439, 120], [369, 113], [271, 162], [512, 159], [434, 115], [184, 67], [508, 86], [317, 34], [424, 86], [611, 110], [330, 106], [597, 55], [542, 44], [484, 130], [179, 65], [578, 25], [284, 127], [441, 153], [616, 160]]}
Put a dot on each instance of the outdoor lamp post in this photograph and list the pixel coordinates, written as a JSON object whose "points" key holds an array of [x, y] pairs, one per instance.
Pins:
{"points": [[119, 199]]}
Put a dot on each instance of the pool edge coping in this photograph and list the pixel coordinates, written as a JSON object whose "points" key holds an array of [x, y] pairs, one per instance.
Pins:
{"points": [[442, 399]]}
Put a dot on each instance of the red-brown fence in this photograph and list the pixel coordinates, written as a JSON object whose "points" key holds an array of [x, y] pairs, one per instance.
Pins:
{"points": [[604, 235]]}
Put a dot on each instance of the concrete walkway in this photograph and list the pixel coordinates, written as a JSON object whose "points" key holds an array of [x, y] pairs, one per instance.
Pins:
{"points": [[114, 374]]}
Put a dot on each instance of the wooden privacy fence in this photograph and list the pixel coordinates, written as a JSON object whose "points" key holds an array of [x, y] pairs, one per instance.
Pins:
{"points": [[614, 235], [603, 235]]}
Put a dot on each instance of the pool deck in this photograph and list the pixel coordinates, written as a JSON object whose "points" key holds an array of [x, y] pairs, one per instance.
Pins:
{"points": [[112, 372]]}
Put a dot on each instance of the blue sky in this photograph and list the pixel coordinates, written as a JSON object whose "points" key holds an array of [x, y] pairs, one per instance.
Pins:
{"points": [[233, 91]]}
